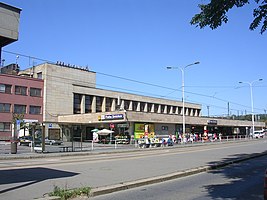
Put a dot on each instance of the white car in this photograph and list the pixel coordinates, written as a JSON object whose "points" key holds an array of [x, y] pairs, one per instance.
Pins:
{"points": [[258, 134]]}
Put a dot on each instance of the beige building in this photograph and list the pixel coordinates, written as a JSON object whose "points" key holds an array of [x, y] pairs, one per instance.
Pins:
{"points": [[73, 107]]}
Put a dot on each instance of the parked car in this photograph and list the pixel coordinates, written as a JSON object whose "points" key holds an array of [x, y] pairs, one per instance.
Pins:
{"points": [[28, 140], [258, 134], [53, 142]]}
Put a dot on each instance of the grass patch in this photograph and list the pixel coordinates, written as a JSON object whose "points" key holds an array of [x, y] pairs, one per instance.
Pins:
{"points": [[65, 193]]}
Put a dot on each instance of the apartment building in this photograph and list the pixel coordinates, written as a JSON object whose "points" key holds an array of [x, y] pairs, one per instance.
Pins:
{"points": [[19, 95]]}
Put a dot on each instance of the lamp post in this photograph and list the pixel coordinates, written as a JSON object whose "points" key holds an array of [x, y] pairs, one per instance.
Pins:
{"points": [[251, 98], [182, 70]]}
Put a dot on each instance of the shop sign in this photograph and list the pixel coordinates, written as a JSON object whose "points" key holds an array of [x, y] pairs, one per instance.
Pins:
{"points": [[112, 117], [212, 122], [122, 126]]}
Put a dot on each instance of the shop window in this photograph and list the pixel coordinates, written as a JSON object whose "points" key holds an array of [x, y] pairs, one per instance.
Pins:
{"points": [[164, 128], [4, 88], [19, 109], [5, 126], [88, 104], [99, 102], [35, 110], [35, 92], [5, 107], [20, 90], [77, 103]]}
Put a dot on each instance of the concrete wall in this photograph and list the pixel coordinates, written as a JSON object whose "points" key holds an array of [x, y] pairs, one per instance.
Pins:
{"points": [[59, 86], [9, 23]]}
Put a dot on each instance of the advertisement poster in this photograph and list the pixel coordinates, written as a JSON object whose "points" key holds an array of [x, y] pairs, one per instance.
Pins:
{"points": [[141, 130]]}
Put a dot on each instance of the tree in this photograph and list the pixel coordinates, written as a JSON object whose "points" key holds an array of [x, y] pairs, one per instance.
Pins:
{"points": [[214, 13]]}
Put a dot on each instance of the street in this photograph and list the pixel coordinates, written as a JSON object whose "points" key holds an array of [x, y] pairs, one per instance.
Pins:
{"points": [[238, 181], [32, 178]]}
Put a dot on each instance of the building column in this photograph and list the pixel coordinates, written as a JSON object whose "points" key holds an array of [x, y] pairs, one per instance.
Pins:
{"points": [[83, 104], [113, 105], [103, 107]]}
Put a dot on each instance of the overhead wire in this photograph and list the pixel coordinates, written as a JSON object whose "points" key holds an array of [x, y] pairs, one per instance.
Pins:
{"points": [[149, 84]]}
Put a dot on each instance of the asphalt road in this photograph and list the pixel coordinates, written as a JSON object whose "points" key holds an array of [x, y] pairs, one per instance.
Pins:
{"points": [[31, 178], [240, 181]]}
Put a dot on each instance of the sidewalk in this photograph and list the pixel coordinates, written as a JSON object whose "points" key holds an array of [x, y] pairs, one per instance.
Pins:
{"points": [[136, 181]]}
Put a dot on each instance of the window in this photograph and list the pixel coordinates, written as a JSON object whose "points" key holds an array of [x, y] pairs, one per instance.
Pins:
{"points": [[108, 104], [5, 88], [35, 110], [77, 103], [5, 126], [126, 104], [142, 106], [5, 107], [162, 107], [20, 109], [21, 90], [156, 107], [88, 104], [134, 104], [99, 101], [149, 107], [168, 109], [164, 128], [174, 109], [40, 75], [35, 92]]}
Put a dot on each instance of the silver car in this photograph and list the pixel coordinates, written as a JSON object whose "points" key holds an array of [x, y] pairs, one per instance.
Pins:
{"points": [[53, 142]]}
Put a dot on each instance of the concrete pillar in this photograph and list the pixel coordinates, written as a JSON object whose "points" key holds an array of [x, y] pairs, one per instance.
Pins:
{"points": [[152, 108], [94, 104], [103, 107], [83, 104]]}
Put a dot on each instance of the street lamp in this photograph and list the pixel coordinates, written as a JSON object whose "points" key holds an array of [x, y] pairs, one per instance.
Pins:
{"points": [[251, 97], [182, 70]]}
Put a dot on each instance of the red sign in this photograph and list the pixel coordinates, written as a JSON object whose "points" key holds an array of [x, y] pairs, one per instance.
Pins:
{"points": [[111, 125]]}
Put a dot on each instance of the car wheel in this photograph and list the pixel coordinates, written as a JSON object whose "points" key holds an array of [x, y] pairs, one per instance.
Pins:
{"points": [[50, 143]]}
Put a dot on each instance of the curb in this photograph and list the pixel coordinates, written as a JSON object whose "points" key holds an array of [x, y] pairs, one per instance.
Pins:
{"points": [[142, 182]]}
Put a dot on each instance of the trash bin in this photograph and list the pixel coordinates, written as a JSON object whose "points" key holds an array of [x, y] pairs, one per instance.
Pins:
{"points": [[13, 147]]}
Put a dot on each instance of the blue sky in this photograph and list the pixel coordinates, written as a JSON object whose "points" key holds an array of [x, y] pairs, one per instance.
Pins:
{"points": [[137, 39]]}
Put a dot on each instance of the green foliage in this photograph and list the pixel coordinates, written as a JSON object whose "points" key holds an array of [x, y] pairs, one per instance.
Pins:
{"points": [[65, 193], [214, 13]]}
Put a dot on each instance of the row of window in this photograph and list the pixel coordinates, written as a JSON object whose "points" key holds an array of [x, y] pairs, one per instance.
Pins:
{"points": [[20, 109], [21, 90], [123, 104]]}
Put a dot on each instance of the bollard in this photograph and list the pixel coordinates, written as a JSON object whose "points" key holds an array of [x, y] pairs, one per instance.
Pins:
{"points": [[13, 147]]}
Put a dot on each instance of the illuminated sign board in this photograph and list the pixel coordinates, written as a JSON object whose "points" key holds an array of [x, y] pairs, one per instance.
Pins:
{"points": [[112, 117]]}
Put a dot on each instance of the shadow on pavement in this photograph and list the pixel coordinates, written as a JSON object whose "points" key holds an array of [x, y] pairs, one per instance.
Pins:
{"points": [[30, 176], [244, 178]]}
